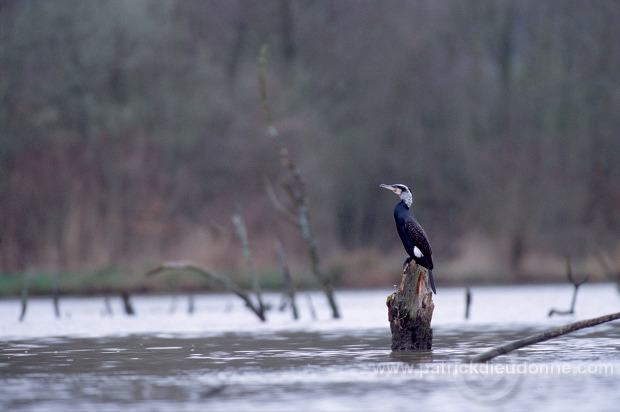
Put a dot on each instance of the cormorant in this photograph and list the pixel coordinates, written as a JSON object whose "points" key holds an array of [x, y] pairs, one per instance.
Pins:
{"points": [[411, 233]]}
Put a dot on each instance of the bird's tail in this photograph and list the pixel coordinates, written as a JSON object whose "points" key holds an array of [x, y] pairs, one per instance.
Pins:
{"points": [[430, 277]]}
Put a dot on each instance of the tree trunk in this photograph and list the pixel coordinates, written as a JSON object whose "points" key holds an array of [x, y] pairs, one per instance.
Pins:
{"points": [[410, 310]]}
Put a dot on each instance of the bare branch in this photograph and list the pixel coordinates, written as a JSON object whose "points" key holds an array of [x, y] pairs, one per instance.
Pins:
{"points": [[127, 303], [212, 276], [242, 234], [288, 280], [24, 301], [278, 206], [571, 278], [296, 190], [543, 336], [576, 284], [468, 299]]}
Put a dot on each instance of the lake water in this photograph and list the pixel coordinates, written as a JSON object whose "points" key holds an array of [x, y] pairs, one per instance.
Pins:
{"points": [[221, 357]]}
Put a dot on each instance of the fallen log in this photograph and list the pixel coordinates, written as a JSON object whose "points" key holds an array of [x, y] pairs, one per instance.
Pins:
{"points": [[542, 336]]}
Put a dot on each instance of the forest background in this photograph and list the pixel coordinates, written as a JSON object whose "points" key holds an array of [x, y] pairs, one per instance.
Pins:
{"points": [[131, 132]]}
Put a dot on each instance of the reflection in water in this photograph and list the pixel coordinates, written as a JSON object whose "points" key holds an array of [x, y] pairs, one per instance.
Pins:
{"points": [[311, 366]]}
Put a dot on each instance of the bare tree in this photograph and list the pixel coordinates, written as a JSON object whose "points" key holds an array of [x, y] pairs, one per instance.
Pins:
{"points": [[296, 191]]}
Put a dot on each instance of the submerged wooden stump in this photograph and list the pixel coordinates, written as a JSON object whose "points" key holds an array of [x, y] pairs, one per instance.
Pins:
{"points": [[410, 310]]}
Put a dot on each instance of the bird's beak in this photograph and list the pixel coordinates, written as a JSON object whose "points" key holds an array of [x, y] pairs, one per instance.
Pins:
{"points": [[389, 187]]}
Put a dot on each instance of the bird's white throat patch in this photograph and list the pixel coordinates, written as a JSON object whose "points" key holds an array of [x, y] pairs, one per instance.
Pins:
{"points": [[406, 197], [417, 252]]}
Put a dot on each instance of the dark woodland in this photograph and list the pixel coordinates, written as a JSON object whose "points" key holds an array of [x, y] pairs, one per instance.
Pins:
{"points": [[132, 131]]}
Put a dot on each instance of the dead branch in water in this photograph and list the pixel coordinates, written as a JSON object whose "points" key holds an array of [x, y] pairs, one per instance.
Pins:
{"points": [[214, 277], [467, 302], [107, 305], [311, 306], [542, 336], [242, 234], [576, 284], [278, 206], [56, 300], [289, 286], [295, 189], [127, 303], [190, 304], [24, 300]]}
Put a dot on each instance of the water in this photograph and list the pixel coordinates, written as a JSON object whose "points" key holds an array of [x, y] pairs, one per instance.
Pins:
{"points": [[223, 358]]}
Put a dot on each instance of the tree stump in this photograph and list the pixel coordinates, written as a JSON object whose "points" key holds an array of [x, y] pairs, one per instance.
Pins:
{"points": [[410, 310]]}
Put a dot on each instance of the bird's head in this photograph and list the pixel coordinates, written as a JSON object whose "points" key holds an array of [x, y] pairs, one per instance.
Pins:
{"points": [[402, 191]]}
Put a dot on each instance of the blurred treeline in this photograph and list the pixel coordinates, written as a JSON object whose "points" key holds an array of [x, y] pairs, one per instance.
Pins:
{"points": [[131, 131]]}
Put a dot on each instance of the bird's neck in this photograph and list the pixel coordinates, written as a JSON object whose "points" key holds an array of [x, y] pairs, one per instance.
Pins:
{"points": [[405, 204], [406, 199]]}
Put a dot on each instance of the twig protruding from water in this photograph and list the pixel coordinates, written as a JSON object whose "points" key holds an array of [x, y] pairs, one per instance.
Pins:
{"points": [[242, 234], [576, 283], [57, 302], [289, 286], [467, 302], [107, 306], [190, 304], [127, 303], [24, 300]]}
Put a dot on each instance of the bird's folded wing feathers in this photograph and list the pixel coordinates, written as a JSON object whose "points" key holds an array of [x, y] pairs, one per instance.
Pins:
{"points": [[418, 236]]}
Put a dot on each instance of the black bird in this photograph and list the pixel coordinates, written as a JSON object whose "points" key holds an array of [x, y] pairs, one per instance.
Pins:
{"points": [[411, 233]]}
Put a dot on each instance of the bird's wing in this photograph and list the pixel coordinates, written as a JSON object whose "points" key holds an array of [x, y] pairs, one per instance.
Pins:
{"points": [[416, 233]]}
